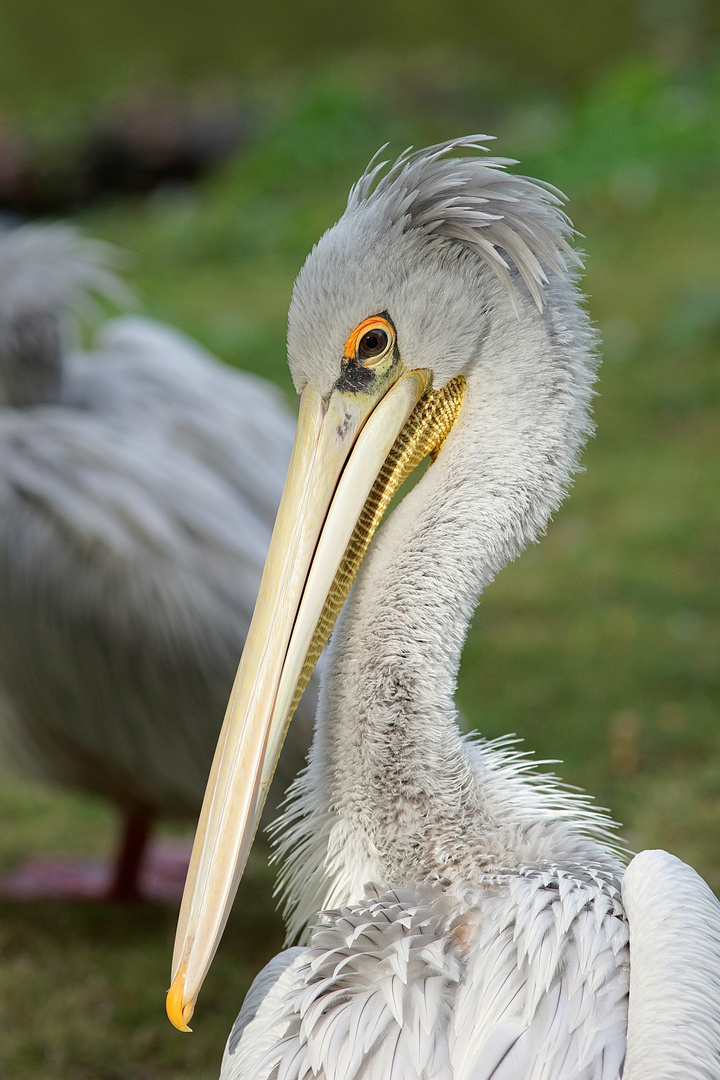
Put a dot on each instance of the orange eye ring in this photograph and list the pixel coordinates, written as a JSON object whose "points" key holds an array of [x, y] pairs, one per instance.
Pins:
{"points": [[370, 341]]}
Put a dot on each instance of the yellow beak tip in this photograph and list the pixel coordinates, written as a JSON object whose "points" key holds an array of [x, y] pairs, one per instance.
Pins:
{"points": [[179, 1014]]}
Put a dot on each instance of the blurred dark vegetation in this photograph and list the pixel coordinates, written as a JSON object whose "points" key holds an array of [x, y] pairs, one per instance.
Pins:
{"points": [[125, 96], [215, 144]]}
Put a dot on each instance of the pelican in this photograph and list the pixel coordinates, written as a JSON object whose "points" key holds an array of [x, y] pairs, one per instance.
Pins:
{"points": [[138, 486], [460, 915]]}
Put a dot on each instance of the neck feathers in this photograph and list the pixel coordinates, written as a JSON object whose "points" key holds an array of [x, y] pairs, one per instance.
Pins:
{"points": [[393, 792]]}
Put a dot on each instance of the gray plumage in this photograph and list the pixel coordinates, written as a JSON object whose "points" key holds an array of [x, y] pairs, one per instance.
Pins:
{"points": [[138, 487], [492, 943]]}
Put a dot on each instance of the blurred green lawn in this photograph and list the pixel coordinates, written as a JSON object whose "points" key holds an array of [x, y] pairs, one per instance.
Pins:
{"points": [[599, 647]]}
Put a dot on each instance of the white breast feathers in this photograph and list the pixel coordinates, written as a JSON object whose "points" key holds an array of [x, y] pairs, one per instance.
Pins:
{"points": [[529, 982]]}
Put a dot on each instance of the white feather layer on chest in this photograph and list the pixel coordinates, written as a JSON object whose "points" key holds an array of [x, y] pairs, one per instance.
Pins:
{"points": [[531, 980]]}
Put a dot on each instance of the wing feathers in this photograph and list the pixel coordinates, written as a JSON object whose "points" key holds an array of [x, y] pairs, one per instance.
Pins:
{"points": [[674, 1017]]}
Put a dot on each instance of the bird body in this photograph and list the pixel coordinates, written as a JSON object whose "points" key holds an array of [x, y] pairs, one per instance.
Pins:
{"points": [[138, 484], [525, 976], [532, 980], [461, 915]]}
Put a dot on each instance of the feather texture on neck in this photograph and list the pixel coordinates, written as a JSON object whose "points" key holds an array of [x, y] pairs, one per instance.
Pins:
{"points": [[393, 792]]}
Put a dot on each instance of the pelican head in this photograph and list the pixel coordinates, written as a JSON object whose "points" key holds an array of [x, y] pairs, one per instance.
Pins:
{"points": [[47, 271], [389, 319]]}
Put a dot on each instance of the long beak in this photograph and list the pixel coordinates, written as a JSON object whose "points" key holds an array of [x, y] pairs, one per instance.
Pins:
{"points": [[340, 479]]}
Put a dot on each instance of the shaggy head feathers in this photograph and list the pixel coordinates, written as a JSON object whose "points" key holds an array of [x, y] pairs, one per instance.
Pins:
{"points": [[417, 241]]}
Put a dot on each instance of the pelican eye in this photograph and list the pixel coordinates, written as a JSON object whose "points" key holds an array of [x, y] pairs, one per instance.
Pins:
{"points": [[370, 341], [372, 344]]}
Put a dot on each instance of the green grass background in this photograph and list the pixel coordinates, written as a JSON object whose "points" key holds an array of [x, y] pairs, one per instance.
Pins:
{"points": [[600, 645]]}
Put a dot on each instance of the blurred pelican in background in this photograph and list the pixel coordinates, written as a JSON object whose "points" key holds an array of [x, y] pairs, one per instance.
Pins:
{"points": [[461, 915], [138, 486]]}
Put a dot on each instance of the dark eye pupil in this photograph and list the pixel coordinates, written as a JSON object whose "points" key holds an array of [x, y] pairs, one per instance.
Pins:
{"points": [[372, 344]]}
